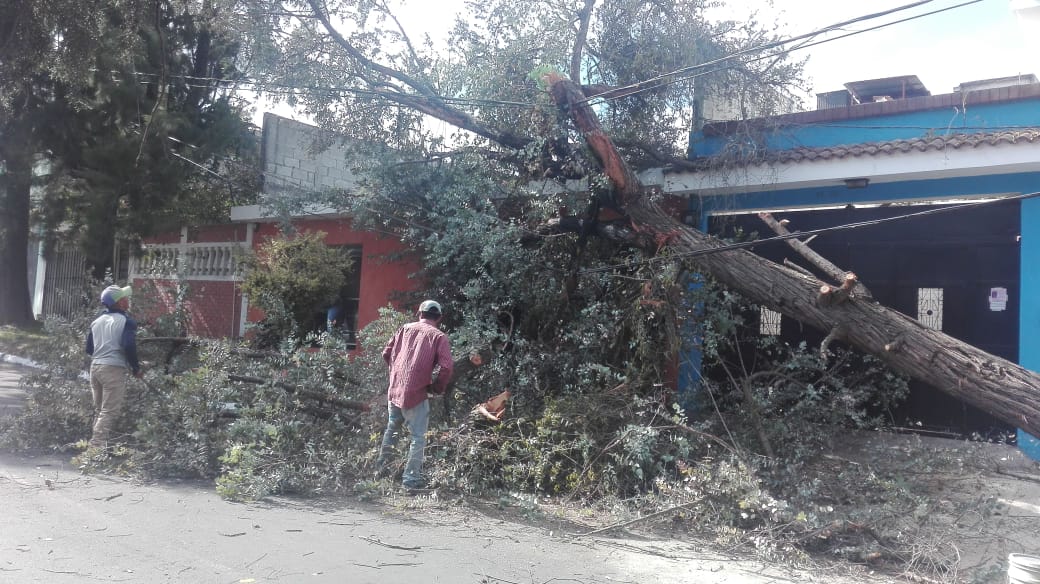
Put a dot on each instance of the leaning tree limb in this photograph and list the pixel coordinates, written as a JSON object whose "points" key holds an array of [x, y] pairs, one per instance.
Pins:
{"points": [[993, 384], [422, 97]]}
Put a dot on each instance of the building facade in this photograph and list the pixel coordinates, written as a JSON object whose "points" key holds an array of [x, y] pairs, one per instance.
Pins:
{"points": [[945, 182], [195, 272]]}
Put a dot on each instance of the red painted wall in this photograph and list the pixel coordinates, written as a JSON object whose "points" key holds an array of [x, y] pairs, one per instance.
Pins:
{"points": [[213, 308], [386, 269], [384, 273]]}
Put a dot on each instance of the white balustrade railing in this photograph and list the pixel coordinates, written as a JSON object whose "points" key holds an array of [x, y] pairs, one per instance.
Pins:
{"points": [[190, 261]]}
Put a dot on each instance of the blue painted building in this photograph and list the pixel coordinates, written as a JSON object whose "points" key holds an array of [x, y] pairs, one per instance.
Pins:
{"points": [[887, 143]]}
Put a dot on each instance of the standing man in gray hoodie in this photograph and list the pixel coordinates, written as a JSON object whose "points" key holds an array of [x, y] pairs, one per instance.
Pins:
{"points": [[112, 344]]}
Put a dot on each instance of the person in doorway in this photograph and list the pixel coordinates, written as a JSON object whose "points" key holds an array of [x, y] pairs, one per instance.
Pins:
{"points": [[419, 357], [334, 318], [112, 344]]}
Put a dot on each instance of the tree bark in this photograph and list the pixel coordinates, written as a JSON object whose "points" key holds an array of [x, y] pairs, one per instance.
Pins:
{"points": [[15, 185], [995, 385]]}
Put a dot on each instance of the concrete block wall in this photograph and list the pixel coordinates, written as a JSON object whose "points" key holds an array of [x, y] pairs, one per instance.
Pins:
{"points": [[290, 160]]}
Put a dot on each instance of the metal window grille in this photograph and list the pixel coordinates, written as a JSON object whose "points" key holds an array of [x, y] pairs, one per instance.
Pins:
{"points": [[769, 322], [930, 307]]}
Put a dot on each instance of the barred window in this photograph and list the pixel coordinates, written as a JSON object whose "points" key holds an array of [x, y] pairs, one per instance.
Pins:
{"points": [[930, 307], [768, 322]]}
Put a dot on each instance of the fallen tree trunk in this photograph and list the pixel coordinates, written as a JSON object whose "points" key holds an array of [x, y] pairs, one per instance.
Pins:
{"points": [[993, 384], [990, 383]]}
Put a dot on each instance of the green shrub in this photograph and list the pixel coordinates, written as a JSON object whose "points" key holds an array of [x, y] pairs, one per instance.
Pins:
{"points": [[292, 277]]}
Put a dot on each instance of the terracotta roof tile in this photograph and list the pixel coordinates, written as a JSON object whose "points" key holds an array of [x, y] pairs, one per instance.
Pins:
{"points": [[922, 144]]}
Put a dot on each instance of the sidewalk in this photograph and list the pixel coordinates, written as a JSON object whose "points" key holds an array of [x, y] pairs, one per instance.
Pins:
{"points": [[11, 395]]}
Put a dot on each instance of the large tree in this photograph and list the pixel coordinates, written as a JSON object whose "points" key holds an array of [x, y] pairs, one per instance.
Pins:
{"points": [[46, 48], [156, 141], [125, 113], [496, 82]]}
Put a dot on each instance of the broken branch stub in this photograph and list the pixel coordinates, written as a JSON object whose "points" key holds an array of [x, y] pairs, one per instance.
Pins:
{"points": [[495, 408], [831, 296], [803, 249]]}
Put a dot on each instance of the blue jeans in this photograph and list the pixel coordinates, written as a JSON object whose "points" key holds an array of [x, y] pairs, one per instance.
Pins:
{"points": [[417, 419]]}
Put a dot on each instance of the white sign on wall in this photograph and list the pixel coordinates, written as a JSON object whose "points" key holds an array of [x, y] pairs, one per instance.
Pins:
{"points": [[998, 299]]}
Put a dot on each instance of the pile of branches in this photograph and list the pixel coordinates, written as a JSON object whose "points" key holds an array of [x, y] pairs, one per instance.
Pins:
{"points": [[295, 421]]}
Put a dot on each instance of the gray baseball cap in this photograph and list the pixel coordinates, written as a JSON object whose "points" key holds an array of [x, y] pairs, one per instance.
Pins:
{"points": [[430, 306]]}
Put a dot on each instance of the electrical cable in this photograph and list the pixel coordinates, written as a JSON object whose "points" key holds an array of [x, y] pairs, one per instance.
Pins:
{"points": [[799, 234], [294, 89], [767, 46]]}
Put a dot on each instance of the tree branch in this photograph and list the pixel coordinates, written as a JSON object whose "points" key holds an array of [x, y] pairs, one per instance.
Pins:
{"points": [[427, 101], [302, 392], [825, 265], [404, 35], [584, 16]]}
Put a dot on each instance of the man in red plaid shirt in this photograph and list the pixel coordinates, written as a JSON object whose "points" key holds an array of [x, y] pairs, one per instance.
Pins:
{"points": [[419, 357]]}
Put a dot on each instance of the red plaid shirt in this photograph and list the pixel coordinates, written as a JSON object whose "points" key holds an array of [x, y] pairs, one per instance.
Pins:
{"points": [[413, 354]]}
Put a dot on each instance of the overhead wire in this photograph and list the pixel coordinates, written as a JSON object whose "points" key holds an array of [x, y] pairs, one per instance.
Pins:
{"points": [[669, 78], [799, 234], [674, 76]]}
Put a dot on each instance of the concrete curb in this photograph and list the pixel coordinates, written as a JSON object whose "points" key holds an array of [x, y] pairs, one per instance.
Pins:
{"points": [[23, 362], [16, 360]]}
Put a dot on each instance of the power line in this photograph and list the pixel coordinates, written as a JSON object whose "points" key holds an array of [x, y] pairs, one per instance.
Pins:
{"points": [[280, 89], [666, 77], [763, 47], [799, 234]]}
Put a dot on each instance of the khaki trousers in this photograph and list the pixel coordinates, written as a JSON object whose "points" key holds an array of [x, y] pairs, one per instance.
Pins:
{"points": [[108, 383]]}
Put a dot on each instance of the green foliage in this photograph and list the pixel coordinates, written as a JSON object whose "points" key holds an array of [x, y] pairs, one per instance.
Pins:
{"points": [[281, 443], [58, 411], [292, 278], [484, 70], [178, 427], [793, 394]]}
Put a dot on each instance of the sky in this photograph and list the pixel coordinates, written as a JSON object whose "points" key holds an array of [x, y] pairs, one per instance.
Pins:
{"points": [[985, 40], [981, 41]]}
